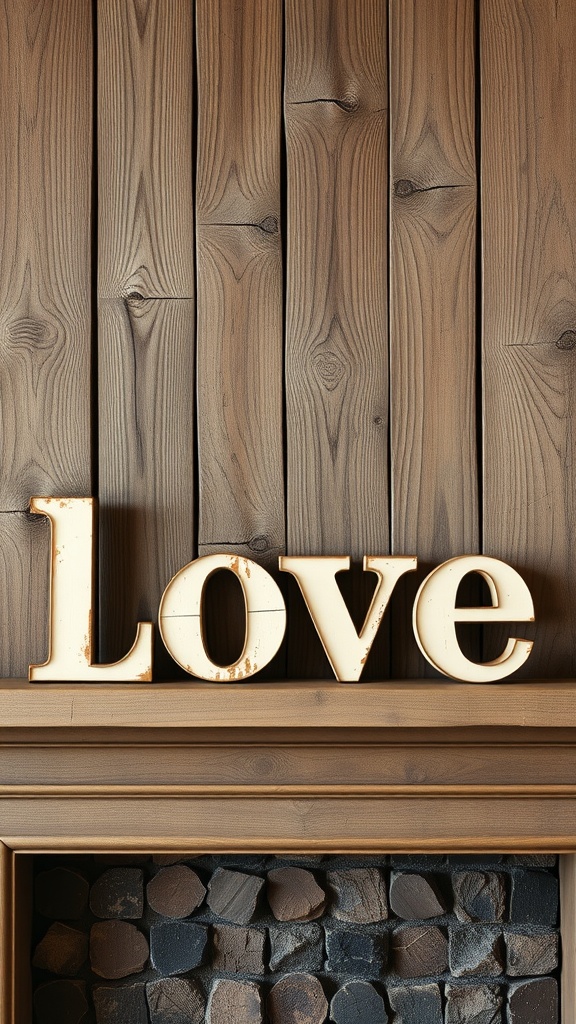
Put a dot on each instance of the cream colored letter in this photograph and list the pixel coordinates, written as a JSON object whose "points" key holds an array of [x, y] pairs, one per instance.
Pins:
{"points": [[347, 651], [180, 618], [71, 599], [435, 616]]}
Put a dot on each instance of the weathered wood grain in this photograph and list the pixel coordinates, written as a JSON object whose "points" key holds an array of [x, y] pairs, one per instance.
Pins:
{"points": [[466, 822], [338, 762], [45, 153], [145, 213], [239, 108], [240, 298], [529, 310], [146, 367], [240, 392], [336, 114], [45, 147], [425, 705], [240, 279], [146, 311], [336, 322], [24, 580], [45, 156], [432, 297]]}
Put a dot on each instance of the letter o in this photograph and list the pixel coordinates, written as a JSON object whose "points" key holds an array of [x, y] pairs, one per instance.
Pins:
{"points": [[181, 625]]}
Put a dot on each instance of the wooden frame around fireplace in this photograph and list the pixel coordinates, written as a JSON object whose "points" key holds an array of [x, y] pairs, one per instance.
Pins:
{"points": [[376, 767]]}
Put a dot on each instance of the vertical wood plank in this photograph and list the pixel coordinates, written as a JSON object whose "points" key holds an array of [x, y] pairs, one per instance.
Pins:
{"points": [[240, 300], [240, 393], [146, 311], [145, 62], [6, 935], [45, 275], [568, 935], [432, 297], [529, 311], [336, 103], [146, 516], [240, 279]]}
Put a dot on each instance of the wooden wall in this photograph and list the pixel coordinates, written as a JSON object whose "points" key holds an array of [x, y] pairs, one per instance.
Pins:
{"points": [[290, 277]]}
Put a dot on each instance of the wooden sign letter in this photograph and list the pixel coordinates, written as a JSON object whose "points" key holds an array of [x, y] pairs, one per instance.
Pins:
{"points": [[180, 618], [346, 650], [71, 599], [435, 616]]}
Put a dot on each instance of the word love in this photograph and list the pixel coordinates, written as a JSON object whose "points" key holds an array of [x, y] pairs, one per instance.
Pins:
{"points": [[181, 611]]}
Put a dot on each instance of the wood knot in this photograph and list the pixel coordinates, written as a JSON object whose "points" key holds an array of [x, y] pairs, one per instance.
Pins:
{"points": [[329, 369], [378, 420], [404, 187], [134, 297], [567, 341], [259, 544], [269, 225], [31, 331], [349, 104]]}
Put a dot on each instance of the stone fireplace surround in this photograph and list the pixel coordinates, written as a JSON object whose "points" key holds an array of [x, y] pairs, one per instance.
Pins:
{"points": [[281, 768]]}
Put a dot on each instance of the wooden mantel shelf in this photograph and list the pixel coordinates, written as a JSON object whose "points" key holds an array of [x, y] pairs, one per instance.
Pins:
{"points": [[433, 704]]}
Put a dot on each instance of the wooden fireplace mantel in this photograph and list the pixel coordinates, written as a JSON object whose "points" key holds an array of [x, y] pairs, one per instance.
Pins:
{"points": [[392, 766], [281, 767]]}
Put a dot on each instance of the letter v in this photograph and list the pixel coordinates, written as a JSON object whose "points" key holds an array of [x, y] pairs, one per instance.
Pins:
{"points": [[346, 650]]}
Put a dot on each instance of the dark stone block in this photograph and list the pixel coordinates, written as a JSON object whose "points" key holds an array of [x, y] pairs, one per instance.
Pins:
{"points": [[417, 861], [123, 1005], [473, 1004], [251, 862], [175, 891], [177, 946], [237, 950], [358, 1002], [234, 1001], [118, 893], [531, 954], [117, 949], [416, 1004], [419, 951], [61, 894], [356, 953], [534, 898], [474, 859], [358, 895], [60, 1002], [336, 861], [63, 950], [534, 860], [479, 896], [476, 950], [304, 859], [415, 897], [294, 894], [233, 895], [167, 859], [533, 1002], [175, 1001], [297, 999], [296, 947]]}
